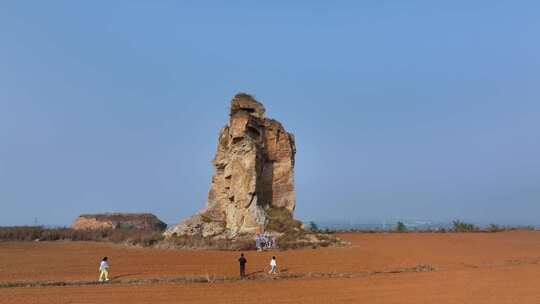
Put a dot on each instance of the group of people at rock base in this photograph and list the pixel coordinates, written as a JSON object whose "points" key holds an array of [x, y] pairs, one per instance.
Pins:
{"points": [[104, 268], [242, 261], [265, 241]]}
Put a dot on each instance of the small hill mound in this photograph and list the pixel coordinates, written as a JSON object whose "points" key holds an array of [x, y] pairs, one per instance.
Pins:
{"points": [[140, 221]]}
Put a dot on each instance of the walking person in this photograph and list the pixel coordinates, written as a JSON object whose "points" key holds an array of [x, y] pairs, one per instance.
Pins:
{"points": [[104, 270], [273, 266], [242, 261]]}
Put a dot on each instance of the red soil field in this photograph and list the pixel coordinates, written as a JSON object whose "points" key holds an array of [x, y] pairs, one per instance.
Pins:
{"points": [[469, 268]]}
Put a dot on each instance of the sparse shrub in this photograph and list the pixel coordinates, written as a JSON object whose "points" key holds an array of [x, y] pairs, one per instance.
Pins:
{"points": [[400, 227], [145, 238], [495, 228], [31, 233], [525, 228], [280, 220], [200, 242], [460, 226], [292, 240], [20, 233], [313, 227]]}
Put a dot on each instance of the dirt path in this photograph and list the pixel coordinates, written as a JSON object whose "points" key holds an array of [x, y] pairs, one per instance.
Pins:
{"points": [[491, 285]]}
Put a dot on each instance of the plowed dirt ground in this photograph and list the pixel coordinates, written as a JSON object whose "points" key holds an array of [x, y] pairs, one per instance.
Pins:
{"points": [[375, 268]]}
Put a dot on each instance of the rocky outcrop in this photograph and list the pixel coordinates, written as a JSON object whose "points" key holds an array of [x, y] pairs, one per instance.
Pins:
{"points": [[142, 221], [254, 172]]}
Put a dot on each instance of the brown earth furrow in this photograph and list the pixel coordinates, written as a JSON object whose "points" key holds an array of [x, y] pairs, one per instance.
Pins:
{"points": [[215, 279], [377, 268]]}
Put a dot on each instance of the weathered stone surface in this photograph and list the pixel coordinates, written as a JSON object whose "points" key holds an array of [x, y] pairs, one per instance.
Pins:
{"points": [[254, 171], [143, 221]]}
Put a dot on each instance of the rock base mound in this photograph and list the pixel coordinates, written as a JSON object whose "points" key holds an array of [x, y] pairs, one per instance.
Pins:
{"points": [[252, 189]]}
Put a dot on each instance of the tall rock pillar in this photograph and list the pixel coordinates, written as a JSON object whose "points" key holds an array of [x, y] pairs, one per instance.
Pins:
{"points": [[254, 171]]}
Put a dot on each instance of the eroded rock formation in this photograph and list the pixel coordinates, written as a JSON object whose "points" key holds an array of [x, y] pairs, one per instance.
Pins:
{"points": [[142, 221], [254, 172]]}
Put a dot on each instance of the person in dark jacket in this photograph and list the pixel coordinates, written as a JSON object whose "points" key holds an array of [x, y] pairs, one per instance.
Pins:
{"points": [[242, 261]]}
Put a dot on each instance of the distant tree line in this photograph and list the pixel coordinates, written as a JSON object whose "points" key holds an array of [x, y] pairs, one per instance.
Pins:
{"points": [[401, 227]]}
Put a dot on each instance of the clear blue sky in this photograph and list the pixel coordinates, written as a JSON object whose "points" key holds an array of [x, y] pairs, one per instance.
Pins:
{"points": [[410, 109]]}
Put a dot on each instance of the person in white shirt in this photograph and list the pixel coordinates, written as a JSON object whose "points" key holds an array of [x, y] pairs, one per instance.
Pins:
{"points": [[104, 270], [273, 266]]}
